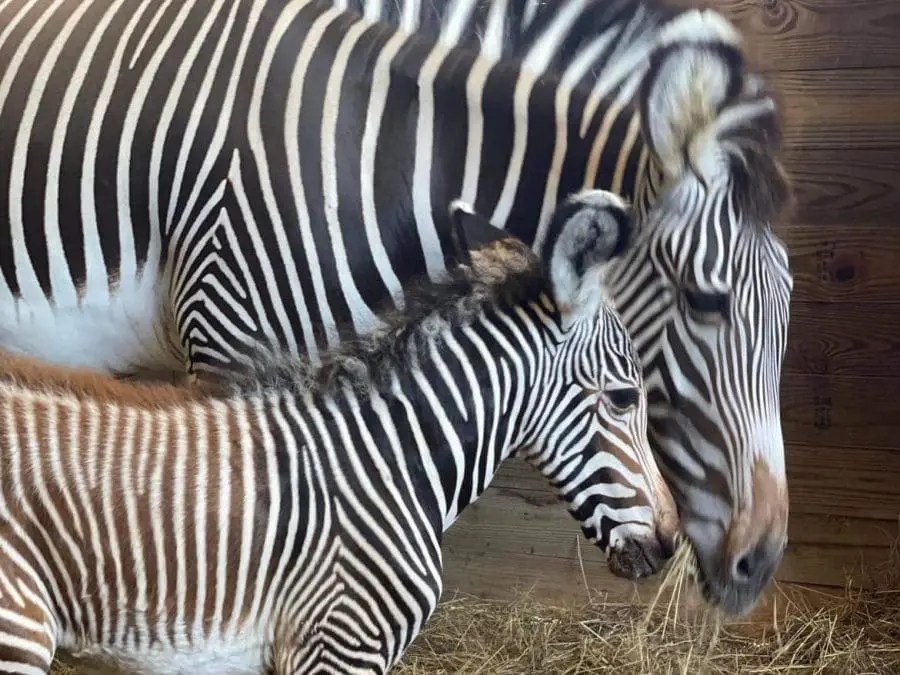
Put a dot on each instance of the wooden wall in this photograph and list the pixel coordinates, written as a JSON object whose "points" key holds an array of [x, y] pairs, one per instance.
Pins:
{"points": [[836, 64]]}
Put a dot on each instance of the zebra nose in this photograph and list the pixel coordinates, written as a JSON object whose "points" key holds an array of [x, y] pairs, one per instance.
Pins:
{"points": [[755, 566]]}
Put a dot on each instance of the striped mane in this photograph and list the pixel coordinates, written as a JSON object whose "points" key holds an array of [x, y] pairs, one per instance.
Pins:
{"points": [[503, 273], [760, 185]]}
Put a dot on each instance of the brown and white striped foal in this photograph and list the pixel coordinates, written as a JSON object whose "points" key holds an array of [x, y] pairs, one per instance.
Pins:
{"points": [[291, 520]]}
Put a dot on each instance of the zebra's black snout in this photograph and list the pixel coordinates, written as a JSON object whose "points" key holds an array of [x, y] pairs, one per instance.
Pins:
{"points": [[639, 557]]}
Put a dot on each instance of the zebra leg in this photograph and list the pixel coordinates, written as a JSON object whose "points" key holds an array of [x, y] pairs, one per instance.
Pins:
{"points": [[27, 634]]}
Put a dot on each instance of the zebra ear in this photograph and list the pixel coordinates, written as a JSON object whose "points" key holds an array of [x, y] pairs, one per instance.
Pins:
{"points": [[696, 73], [587, 230], [471, 231]]}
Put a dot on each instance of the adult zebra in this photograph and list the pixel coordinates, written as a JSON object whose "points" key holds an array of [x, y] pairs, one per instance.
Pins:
{"points": [[216, 175], [292, 523]]}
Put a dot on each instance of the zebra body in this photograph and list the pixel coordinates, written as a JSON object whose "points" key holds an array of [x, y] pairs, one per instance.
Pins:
{"points": [[294, 520], [262, 172], [205, 176]]}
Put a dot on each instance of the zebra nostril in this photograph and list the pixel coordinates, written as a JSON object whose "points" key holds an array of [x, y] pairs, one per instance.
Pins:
{"points": [[743, 568]]}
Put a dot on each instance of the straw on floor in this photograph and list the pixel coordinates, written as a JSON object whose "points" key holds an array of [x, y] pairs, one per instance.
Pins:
{"points": [[856, 632]]}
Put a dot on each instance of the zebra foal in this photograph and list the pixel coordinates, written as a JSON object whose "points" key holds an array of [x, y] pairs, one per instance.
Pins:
{"points": [[291, 518]]}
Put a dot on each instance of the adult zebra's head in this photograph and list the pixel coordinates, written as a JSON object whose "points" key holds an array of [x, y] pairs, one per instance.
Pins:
{"points": [[586, 426], [705, 291]]}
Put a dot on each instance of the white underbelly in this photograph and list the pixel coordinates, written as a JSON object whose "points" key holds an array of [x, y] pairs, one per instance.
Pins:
{"points": [[238, 657], [123, 333]]}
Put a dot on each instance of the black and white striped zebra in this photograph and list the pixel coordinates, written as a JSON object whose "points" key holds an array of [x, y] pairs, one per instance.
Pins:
{"points": [[190, 179], [294, 521]]}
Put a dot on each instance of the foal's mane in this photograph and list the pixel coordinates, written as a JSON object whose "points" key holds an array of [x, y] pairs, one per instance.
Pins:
{"points": [[502, 274]]}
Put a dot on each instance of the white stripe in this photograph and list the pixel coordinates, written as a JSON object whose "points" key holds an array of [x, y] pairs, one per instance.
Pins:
{"points": [[456, 20], [265, 446], [475, 84], [97, 287], [574, 73], [223, 457], [133, 484], [62, 285], [492, 44], [113, 449], [422, 169], [178, 513], [247, 510], [34, 300], [159, 510], [409, 19], [291, 123], [381, 79], [202, 493], [364, 319], [533, 66]]}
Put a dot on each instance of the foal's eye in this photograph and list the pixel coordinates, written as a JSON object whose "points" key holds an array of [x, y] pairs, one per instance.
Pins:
{"points": [[623, 400], [707, 307]]}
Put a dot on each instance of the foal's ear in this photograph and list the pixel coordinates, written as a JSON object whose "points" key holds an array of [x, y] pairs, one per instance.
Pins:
{"points": [[471, 231], [587, 230]]}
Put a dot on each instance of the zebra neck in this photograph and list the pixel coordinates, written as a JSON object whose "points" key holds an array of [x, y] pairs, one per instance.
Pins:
{"points": [[468, 400]]}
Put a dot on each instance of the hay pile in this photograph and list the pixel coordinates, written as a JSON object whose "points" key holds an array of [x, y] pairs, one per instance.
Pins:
{"points": [[860, 633]]}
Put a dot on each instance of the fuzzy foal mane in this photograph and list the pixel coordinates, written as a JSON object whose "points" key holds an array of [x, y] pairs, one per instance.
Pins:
{"points": [[504, 273]]}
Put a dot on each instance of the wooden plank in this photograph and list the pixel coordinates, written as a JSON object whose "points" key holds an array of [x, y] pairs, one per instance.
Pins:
{"points": [[814, 34], [504, 545], [844, 187], [839, 109], [839, 531], [843, 483], [825, 565], [858, 339], [845, 263], [851, 412]]}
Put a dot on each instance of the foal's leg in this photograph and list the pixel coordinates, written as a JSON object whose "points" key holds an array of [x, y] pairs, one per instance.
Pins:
{"points": [[27, 634]]}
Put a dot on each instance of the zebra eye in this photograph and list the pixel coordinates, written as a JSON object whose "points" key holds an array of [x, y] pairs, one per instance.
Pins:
{"points": [[707, 307], [623, 400]]}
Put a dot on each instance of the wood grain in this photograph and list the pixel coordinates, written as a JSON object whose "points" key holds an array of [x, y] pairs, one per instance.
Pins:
{"points": [[814, 34], [844, 187], [840, 109], [850, 412], [850, 339], [842, 485], [846, 263]]}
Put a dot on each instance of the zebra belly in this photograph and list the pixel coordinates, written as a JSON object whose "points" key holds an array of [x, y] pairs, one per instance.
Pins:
{"points": [[127, 331], [241, 656]]}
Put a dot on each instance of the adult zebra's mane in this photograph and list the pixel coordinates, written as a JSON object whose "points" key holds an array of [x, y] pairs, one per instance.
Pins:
{"points": [[503, 274]]}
